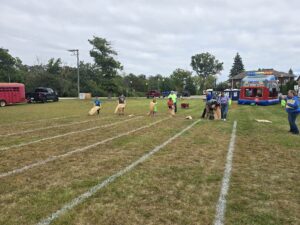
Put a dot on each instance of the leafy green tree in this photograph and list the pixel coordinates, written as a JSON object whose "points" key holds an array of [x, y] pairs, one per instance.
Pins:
{"points": [[190, 85], [222, 86], [7, 65], [210, 82], [167, 84], [205, 65], [237, 67], [179, 77], [54, 66], [103, 55], [154, 82]]}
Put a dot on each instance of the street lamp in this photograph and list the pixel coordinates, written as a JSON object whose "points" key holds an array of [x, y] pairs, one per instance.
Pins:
{"points": [[76, 52], [131, 87]]}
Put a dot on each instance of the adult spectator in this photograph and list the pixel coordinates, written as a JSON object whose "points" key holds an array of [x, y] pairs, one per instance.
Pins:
{"points": [[224, 100], [208, 98], [293, 109], [173, 96]]}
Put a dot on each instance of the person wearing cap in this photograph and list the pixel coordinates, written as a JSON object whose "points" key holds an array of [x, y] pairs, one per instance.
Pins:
{"points": [[173, 96]]}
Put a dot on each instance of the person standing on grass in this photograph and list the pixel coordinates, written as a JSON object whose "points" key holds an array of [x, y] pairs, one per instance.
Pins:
{"points": [[208, 98], [173, 96], [293, 109], [224, 102], [170, 104]]}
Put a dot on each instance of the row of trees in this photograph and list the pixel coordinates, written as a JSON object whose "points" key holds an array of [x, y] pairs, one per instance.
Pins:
{"points": [[104, 77]]}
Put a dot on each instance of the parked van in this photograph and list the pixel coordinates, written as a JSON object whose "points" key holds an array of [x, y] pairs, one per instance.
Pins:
{"points": [[11, 93]]}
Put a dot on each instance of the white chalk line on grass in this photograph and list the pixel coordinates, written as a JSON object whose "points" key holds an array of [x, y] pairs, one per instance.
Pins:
{"points": [[221, 205], [52, 158], [96, 188], [66, 134], [55, 126], [35, 121]]}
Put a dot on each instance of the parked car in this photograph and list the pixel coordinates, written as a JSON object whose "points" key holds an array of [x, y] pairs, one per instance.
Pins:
{"points": [[11, 93], [165, 93], [186, 94], [152, 94], [42, 94]]}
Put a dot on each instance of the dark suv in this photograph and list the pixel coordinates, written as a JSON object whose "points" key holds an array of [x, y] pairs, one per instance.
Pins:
{"points": [[42, 94], [152, 94]]}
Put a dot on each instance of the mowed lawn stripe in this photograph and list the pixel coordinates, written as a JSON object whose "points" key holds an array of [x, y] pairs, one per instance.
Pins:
{"points": [[66, 134], [53, 158], [20, 157], [265, 182], [104, 183], [42, 120], [178, 185], [51, 127], [44, 190]]}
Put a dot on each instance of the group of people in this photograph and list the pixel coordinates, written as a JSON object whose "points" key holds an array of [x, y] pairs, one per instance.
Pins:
{"points": [[171, 103], [120, 109], [216, 107]]}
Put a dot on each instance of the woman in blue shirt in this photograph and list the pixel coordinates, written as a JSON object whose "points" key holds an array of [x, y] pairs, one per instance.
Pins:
{"points": [[293, 109]]}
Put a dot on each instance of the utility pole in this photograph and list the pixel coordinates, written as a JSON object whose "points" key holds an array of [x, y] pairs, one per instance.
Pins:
{"points": [[76, 52]]}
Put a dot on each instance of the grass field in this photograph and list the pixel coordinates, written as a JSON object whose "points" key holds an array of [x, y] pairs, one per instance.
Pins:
{"points": [[52, 153]]}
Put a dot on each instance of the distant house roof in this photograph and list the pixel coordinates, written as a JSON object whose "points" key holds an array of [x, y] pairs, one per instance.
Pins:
{"points": [[271, 71]]}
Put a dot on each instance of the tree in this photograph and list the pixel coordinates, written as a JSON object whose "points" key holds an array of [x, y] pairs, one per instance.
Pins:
{"points": [[167, 84], [179, 77], [103, 55], [291, 72], [222, 86], [182, 80], [7, 65], [54, 66], [237, 66], [190, 85], [205, 65]]}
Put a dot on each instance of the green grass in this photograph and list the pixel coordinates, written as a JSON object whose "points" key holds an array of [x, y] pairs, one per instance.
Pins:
{"points": [[178, 185]]}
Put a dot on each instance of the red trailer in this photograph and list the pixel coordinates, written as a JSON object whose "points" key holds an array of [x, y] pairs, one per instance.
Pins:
{"points": [[11, 93]]}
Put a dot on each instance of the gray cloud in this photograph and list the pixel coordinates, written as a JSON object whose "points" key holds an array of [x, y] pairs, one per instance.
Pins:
{"points": [[156, 36]]}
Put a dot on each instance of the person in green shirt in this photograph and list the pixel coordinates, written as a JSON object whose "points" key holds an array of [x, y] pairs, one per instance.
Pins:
{"points": [[173, 96]]}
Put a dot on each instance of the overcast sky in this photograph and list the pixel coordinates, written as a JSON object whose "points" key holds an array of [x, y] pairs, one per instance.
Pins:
{"points": [[156, 36]]}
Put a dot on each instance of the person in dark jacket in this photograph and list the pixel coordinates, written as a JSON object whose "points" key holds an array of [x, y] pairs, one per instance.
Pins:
{"points": [[293, 109], [208, 98]]}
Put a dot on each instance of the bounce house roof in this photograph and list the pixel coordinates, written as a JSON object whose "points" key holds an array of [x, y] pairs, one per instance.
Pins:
{"points": [[258, 78]]}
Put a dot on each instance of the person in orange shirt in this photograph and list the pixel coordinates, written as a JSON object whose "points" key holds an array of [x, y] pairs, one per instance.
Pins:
{"points": [[171, 106]]}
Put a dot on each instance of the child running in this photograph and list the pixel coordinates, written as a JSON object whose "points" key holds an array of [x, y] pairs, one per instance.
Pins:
{"points": [[171, 107], [152, 107], [96, 108], [121, 105]]}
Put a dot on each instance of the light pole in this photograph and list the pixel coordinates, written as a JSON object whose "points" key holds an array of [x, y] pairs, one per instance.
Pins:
{"points": [[76, 52]]}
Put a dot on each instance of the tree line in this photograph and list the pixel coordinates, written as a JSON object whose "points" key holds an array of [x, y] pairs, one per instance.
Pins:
{"points": [[105, 76]]}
